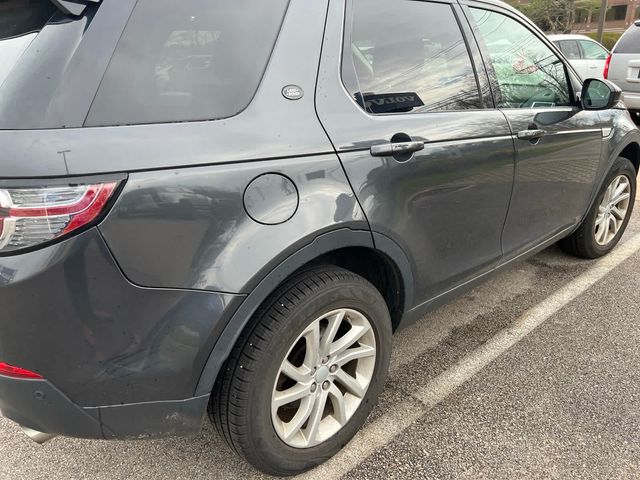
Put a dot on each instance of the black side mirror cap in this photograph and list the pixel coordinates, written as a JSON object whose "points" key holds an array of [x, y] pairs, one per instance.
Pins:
{"points": [[598, 94], [73, 7]]}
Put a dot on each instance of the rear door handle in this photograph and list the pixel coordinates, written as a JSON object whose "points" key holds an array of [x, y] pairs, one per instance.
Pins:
{"points": [[392, 149], [531, 134]]}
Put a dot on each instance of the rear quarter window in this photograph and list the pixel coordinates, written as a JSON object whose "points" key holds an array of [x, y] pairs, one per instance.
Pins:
{"points": [[20, 21], [629, 42], [187, 61]]}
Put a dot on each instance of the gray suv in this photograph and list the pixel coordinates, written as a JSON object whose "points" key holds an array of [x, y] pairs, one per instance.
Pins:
{"points": [[229, 207], [623, 67]]}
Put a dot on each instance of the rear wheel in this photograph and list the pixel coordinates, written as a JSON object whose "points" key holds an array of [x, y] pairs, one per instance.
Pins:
{"points": [[306, 373], [607, 220]]}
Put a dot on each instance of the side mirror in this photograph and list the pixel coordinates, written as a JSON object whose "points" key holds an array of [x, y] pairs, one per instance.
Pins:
{"points": [[599, 94]]}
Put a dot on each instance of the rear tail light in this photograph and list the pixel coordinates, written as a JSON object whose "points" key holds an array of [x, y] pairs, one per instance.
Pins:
{"points": [[605, 74], [36, 215], [17, 372]]}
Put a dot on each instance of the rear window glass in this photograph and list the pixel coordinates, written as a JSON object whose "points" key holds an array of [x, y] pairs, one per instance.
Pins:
{"points": [[20, 21], [186, 61], [629, 42]]}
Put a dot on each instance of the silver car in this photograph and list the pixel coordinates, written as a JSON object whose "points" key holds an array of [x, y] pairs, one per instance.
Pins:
{"points": [[587, 56], [623, 67]]}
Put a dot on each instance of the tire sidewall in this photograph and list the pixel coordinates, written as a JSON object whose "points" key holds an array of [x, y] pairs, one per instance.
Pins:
{"points": [[266, 442]]}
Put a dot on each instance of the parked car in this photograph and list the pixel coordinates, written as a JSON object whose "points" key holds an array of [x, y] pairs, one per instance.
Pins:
{"points": [[231, 206], [585, 55], [623, 67]]}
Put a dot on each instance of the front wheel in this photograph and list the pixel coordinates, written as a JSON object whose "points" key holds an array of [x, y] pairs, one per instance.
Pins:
{"points": [[305, 374], [609, 216]]}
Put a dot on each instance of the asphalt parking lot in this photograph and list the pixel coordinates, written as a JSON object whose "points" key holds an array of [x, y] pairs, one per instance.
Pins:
{"points": [[535, 374]]}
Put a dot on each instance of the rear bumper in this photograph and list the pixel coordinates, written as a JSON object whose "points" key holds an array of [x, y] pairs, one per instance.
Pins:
{"points": [[119, 360], [40, 406]]}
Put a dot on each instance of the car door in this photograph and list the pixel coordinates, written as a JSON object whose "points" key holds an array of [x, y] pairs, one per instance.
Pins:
{"points": [[431, 166], [558, 145], [571, 50], [595, 55]]}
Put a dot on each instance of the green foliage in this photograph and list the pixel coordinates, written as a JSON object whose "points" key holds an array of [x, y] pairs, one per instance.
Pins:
{"points": [[559, 16], [609, 39]]}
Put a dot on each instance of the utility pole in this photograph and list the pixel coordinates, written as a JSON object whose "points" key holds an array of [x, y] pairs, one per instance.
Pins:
{"points": [[603, 13]]}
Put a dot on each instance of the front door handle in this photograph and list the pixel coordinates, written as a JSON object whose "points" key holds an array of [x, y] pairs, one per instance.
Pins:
{"points": [[531, 134], [393, 149]]}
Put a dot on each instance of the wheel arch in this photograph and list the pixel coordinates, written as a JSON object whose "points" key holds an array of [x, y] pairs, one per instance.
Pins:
{"points": [[631, 152], [375, 257]]}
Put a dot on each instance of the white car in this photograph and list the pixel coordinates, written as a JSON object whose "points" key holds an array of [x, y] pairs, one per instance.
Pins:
{"points": [[585, 55]]}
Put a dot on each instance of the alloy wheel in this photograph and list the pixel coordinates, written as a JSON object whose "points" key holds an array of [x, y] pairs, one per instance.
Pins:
{"points": [[323, 378], [613, 210]]}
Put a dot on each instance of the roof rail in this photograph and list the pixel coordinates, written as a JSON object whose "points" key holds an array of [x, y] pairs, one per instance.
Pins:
{"points": [[73, 7]]}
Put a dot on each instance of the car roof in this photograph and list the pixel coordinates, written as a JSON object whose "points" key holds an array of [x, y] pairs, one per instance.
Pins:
{"points": [[567, 36]]}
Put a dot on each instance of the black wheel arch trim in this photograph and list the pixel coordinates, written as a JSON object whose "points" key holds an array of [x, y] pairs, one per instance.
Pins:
{"points": [[322, 244]]}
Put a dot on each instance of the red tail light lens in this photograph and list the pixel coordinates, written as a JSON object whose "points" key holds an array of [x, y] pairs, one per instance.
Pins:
{"points": [[605, 74], [17, 372], [32, 216]]}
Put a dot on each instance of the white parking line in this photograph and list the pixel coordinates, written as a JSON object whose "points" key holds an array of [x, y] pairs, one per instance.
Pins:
{"points": [[382, 431]]}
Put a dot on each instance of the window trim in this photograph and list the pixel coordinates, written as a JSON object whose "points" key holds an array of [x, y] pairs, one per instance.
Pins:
{"points": [[347, 31], [484, 52]]}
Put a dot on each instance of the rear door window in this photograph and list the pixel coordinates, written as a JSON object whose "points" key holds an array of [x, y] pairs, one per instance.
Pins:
{"points": [[593, 51], [20, 22], [629, 42], [408, 57], [187, 61], [570, 49]]}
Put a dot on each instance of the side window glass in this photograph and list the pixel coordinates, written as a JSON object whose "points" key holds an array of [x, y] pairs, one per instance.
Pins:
{"points": [[527, 72], [570, 49], [593, 51], [407, 57]]}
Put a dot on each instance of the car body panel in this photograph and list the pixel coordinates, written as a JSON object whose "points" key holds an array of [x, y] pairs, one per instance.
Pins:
{"points": [[624, 71], [624, 66], [554, 174], [188, 228], [95, 336]]}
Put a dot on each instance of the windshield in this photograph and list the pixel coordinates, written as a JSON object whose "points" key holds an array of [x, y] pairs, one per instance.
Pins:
{"points": [[20, 21]]}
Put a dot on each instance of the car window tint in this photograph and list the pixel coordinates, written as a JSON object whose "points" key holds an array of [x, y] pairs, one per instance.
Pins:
{"points": [[629, 42], [570, 49], [407, 56], [20, 22], [593, 51], [527, 72], [188, 60]]}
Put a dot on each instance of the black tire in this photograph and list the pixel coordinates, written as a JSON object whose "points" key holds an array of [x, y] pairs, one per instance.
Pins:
{"points": [[582, 243], [241, 402]]}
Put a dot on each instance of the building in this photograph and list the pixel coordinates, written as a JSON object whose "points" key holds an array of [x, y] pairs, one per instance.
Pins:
{"points": [[620, 15]]}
